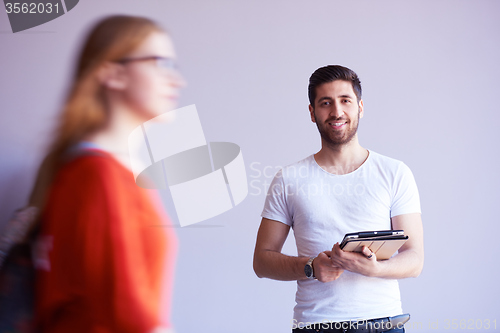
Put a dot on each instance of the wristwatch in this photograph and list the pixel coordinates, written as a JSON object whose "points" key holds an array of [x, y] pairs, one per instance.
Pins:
{"points": [[309, 270]]}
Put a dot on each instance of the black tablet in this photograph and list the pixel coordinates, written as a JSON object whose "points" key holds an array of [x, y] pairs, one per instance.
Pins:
{"points": [[384, 243]]}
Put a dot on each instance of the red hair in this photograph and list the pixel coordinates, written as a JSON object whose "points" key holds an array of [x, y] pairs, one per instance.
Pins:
{"points": [[85, 111]]}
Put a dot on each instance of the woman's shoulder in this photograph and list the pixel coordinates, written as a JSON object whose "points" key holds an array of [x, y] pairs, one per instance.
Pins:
{"points": [[94, 166]]}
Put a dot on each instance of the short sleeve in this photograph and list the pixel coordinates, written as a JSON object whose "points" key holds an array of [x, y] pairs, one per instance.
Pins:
{"points": [[405, 197], [275, 207]]}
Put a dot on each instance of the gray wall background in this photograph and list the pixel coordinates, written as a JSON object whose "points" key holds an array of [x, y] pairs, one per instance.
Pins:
{"points": [[429, 71]]}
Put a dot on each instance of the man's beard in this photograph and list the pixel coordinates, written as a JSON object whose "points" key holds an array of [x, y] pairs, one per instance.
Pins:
{"points": [[328, 135]]}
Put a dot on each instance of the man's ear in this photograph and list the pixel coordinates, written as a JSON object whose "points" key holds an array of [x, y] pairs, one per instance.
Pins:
{"points": [[311, 111], [112, 76], [361, 109]]}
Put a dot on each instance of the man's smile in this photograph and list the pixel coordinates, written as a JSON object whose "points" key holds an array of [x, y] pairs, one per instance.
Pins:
{"points": [[337, 125]]}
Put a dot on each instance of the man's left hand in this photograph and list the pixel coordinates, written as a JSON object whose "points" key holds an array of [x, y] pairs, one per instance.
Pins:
{"points": [[364, 263]]}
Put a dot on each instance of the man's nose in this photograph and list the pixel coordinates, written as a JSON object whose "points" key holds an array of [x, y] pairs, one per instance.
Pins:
{"points": [[336, 111]]}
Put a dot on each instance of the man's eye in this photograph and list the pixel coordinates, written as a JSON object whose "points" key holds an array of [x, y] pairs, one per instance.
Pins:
{"points": [[325, 103], [347, 101]]}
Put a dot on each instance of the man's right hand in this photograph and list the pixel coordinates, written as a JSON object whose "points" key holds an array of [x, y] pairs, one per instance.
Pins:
{"points": [[324, 270], [269, 262]]}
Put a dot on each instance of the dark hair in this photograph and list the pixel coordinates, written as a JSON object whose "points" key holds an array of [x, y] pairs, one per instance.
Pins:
{"points": [[331, 73]]}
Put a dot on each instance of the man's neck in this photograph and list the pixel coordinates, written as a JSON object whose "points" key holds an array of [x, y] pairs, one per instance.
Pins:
{"points": [[341, 159]]}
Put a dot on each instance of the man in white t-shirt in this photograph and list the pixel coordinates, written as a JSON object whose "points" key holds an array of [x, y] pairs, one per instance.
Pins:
{"points": [[341, 189]]}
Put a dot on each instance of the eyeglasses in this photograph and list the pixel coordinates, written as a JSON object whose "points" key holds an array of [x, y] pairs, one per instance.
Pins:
{"points": [[161, 62]]}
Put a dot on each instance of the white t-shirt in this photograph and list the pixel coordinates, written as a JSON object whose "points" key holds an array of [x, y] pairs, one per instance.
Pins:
{"points": [[321, 208]]}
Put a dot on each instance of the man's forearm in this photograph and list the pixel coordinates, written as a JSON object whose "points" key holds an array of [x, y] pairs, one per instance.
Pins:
{"points": [[410, 259], [278, 266], [404, 265]]}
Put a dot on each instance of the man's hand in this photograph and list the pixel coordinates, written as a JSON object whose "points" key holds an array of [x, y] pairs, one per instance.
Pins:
{"points": [[407, 263], [324, 269], [364, 263], [269, 262]]}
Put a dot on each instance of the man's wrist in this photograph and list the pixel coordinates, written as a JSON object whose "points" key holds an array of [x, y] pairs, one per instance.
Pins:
{"points": [[309, 269], [377, 269]]}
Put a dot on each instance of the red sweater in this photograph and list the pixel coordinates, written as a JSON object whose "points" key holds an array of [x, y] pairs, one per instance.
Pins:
{"points": [[110, 259]]}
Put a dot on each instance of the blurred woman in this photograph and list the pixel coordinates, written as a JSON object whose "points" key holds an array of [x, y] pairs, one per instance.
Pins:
{"points": [[104, 265]]}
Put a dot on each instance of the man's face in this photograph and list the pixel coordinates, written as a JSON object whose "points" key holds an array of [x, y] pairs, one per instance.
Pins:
{"points": [[336, 112]]}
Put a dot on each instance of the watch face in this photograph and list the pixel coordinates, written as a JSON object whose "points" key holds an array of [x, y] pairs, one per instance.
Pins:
{"points": [[308, 270]]}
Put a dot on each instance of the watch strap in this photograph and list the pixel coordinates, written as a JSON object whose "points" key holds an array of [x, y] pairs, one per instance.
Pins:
{"points": [[310, 264]]}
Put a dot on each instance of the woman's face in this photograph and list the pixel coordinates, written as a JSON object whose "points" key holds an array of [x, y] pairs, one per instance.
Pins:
{"points": [[152, 81]]}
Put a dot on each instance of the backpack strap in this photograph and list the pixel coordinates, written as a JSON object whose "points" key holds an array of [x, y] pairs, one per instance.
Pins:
{"points": [[16, 230]]}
